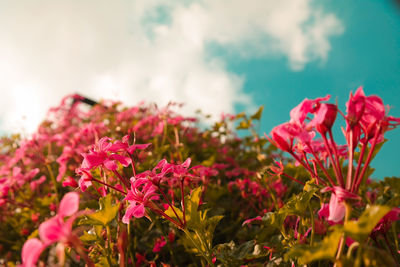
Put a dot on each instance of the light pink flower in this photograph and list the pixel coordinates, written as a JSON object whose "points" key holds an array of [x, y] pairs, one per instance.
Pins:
{"points": [[31, 252], [337, 209], [52, 230]]}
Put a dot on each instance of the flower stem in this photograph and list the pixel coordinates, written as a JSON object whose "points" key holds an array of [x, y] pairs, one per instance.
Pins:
{"points": [[113, 187], [122, 179], [368, 160], [360, 159], [183, 202], [336, 156], [350, 164], [332, 160], [170, 204]]}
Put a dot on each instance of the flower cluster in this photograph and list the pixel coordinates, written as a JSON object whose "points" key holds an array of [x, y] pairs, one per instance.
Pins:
{"points": [[109, 185]]}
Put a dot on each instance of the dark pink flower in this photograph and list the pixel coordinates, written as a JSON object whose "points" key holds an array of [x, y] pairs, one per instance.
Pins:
{"points": [[69, 181], [355, 107], [159, 244], [324, 118], [102, 155], [248, 221], [283, 136], [300, 112], [385, 223], [141, 193]]}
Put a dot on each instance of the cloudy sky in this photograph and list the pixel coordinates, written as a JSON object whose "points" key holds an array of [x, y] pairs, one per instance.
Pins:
{"points": [[217, 55]]}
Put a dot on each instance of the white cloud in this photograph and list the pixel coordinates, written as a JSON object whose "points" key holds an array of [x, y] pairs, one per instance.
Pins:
{"points": [[145, 50]]}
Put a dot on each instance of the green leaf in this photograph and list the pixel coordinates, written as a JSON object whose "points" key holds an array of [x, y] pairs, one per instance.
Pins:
{"points": [[377, 257], [360, 229], [106, 213], [324, 250], [86, 237], [232, 255], [297, 205], [257, 115], [244, 125], [193, 216], [171, 213]]}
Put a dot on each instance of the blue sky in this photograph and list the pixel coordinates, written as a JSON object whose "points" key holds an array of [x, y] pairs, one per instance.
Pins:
{"points": [[204, 53]]}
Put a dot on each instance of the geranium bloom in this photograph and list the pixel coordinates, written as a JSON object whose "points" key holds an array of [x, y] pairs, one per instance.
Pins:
{"points": [[324, 118], [31, 252], [52, 230], [141, 193], [336, 209], [283, 136], [299, 113], [385, 223], [159, 244]]}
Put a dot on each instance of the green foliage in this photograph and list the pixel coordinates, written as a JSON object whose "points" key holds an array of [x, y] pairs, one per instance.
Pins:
{"points": [[106, 213], [321, 251], [361, 228]]}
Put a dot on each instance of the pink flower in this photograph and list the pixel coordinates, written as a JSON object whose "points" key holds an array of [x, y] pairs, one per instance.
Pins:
{"points": [[336, 207], [355, 107], [55, 229], [248, 221], [141, 193], [385, 223], [299, 113], [31, 252], [283, 136], [324, 118], [52, 230], [159, 244], [69, 181], [99, 156]]}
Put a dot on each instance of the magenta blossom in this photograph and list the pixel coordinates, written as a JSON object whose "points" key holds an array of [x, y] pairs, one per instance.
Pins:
{"points": [[159, 244], [102, 155], [300, 112], [387, 220], [324, 118], [55, 229], [283, 136], [140, 195]]}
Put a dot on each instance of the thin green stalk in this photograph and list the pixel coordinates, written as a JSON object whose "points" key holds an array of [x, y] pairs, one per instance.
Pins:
{"points": [[198, 248], [109, 251], [54, 181], [343, 238], [312, 224]]}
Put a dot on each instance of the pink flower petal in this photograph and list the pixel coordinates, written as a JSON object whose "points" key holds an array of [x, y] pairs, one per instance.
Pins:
{"points": [[51, 230], [31, 252], [69, 204], [337, 209]]}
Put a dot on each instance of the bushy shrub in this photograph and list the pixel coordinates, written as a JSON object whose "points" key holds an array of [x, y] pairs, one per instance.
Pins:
{"points": [[100, 184]]}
